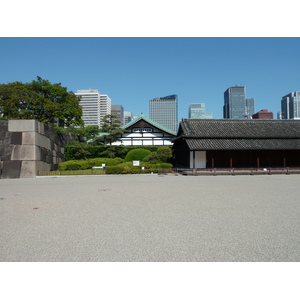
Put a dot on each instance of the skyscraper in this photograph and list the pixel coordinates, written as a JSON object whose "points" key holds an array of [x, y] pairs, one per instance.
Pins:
{"points": [[94, 106], [197, 111], [105, 107], [164, 110], [250, 108], [236, 106], [128, 116], [290, 106], [118, 111]]}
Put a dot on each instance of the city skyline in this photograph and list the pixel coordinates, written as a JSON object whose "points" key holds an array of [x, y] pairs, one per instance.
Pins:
{"points": [[133, 70]]}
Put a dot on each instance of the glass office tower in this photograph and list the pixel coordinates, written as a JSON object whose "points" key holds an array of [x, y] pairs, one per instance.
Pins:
{"points": [[250, 108], [236, 106], [164, 110], [290, 106], [118, 111], [197, 111]]}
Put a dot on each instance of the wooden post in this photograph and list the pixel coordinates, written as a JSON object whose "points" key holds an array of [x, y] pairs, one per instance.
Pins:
{"points": [[212, 162], [230, 162], [194, 158], [257, 162]]}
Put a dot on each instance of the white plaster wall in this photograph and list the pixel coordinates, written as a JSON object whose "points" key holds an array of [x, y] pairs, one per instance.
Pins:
{"points": [[200, 159]]}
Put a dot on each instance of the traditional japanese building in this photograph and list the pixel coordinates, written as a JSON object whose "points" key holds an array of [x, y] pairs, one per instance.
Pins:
{"points": [[142, 131], [227, 143]]}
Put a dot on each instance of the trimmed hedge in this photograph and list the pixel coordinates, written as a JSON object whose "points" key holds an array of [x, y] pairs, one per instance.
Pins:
{"points": [[88, 164], [113, 166], [128, 168], [137, 154], [86, 151]]}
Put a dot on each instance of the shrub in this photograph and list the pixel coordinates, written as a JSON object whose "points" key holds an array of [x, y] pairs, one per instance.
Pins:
{"points": [[162, 155], [76, 150], [107, 161], [152, 158], [137, 154], [87, 164], [114, 170], [73, 165], [164, 165], [128, 168]]}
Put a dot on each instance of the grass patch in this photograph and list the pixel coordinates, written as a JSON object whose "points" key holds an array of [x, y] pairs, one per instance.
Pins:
{"points": [[71, 172]]}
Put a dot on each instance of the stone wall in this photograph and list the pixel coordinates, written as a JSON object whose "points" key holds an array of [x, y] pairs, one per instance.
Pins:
{"points": [[28, 146]]}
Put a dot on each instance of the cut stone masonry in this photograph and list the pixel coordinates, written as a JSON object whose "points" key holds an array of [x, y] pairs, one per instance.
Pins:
{"points": [[28, 146]]}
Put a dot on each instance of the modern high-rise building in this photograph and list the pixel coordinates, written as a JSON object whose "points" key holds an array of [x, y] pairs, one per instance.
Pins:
{"points": [[250, 108], [290, 106], [164, 110], [118, 111], [197, 111], [105, 107], [236, 106], [128, 116], [94, 106]]}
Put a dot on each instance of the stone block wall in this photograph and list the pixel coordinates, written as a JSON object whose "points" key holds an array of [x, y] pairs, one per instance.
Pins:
{"points": [[28, 146]]}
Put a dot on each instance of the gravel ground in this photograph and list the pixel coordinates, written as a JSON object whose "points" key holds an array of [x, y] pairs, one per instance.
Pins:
{"points": [[137, 218]]}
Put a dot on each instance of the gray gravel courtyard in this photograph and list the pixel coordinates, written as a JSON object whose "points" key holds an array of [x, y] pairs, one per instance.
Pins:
{"points": [[136, 218]]}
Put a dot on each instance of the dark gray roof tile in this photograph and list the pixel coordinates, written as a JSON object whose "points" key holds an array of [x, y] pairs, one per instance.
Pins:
{"points": [[224, 128], [243, 144], [223, 134]]}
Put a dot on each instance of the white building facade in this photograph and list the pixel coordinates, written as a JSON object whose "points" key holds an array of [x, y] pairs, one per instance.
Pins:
{"points": [[94, 106], [105, 107]]}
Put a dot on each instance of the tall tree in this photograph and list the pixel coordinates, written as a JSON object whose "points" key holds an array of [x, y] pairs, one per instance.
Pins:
{"points": [[110, 126], [42, 101], [15, 101]]}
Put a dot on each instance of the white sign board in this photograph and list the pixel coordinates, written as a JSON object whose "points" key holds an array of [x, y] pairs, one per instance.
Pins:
{"points": [[136, 163]]}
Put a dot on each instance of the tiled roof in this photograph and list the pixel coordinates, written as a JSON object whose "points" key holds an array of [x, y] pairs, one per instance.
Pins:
{"points": [[243, 144], [240, 128], [151, 122], [240, 134]]}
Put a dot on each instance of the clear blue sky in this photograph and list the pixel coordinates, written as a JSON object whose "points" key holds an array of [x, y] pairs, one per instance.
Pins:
{"points": [[134, 70]]}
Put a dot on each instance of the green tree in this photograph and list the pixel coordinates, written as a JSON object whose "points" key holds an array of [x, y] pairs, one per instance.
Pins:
{"points": [[15, 100], [162, 155], [83, 133], [42, 101], [111, 126]]}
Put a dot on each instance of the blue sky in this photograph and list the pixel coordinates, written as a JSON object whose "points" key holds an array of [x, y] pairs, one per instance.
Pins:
{"points": [[133, 70]]}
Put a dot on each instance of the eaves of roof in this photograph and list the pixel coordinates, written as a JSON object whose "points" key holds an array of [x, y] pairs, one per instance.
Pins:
{"points": [[243, 144]]}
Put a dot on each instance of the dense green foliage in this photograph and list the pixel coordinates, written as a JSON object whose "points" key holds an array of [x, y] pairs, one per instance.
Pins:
{"points": [[128, 168], [120, 165], [137, 154], [88, 164], [111, 126], [42, 101], [77, 150], [162, 155]]}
